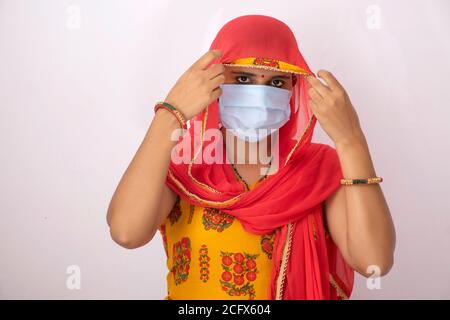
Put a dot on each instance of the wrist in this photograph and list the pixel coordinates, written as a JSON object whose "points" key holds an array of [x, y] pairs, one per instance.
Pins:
{"points": [[165, 129], [356, 140]]}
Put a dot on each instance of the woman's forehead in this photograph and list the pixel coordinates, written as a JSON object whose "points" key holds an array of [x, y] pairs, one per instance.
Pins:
{"points": [[255, 71]]}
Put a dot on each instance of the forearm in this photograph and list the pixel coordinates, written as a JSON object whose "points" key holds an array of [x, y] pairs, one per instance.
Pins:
{"points": [[370, 230], [135, 203]]}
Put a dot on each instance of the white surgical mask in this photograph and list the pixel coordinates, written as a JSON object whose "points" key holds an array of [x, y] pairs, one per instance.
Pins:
{"points": [[247, 108]]}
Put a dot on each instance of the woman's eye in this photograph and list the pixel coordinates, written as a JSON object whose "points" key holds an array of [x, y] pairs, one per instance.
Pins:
{"points": [[277, 83], [243, 79]]}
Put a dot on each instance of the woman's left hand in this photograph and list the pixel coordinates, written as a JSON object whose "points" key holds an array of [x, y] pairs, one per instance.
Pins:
{"points": [[332, 107]]}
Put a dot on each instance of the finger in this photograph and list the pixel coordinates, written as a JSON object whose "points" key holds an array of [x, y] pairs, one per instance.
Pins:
{"points": [[329, 79], [319, 86], [206, 59], [313, 106], [314, 95], [214, 71], [217, 81], [216, 94]]}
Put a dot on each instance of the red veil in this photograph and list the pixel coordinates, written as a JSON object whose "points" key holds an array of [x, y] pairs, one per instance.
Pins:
{"points": [[306, 262]]}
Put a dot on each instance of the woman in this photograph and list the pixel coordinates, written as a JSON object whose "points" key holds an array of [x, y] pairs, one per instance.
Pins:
{"points": [[286, 226]]}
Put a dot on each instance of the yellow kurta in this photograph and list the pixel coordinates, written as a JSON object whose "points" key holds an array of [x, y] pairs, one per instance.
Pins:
{"points": [[211, 256]]}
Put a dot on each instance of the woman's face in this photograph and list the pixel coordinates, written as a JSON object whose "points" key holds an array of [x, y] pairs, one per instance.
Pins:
{"points": [[244, 75]]}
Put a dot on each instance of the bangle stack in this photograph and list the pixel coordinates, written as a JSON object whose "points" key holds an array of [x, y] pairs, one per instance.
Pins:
{"points": [[181, 119], [349, 182]]}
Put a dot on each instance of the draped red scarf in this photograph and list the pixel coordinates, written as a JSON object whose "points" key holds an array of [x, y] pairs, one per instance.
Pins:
{"points": [[306, 262]]}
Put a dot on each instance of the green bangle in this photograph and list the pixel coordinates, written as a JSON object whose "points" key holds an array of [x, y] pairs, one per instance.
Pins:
{"points": [[349, 182], [181, 119], [171, 107]]}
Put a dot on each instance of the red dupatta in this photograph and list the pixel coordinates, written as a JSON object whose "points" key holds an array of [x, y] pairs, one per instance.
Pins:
{"points": [[306, 262]]}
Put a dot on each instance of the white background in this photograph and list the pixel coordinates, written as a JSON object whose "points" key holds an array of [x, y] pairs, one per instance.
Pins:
{"points": [[78, 80]]}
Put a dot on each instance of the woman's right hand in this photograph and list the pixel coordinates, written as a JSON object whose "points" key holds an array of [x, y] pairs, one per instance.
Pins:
{"points": [[198, 86]]}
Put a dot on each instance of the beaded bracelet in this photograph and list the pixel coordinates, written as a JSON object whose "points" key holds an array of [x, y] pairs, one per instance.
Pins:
{"points": [[181, 119], [349, 182]]}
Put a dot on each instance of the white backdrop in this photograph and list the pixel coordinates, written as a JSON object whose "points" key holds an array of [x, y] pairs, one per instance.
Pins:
{"points": [[78, 80]]}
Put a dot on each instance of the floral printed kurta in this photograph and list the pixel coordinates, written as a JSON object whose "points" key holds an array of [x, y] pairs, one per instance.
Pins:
{"points": [[211, 256]]}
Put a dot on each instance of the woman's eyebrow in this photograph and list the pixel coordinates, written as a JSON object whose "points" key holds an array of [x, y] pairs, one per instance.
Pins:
{"points": [[248, 74], [244, 73]]}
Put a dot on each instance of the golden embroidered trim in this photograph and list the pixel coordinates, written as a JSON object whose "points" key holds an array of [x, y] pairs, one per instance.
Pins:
{"points": [[299, 141], [264, 68], [339, 291], [200, 200], [201, 184], [284, 262], [267, 64], [312, 222]]}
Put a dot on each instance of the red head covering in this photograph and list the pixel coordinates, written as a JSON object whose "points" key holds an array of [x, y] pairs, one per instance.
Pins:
{"points": [[306, 262]]}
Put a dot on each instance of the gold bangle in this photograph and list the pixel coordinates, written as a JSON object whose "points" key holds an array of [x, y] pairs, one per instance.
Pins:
{"points": [[349, 182]]}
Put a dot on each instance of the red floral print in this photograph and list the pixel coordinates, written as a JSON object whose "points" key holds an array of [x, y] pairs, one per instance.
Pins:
{"points": [[238, 257], [181, 260], [266, 62], [251, 276], [204, 263], [239, 271], [238, 268], [251, 264], [216, 220], [267, 241], [226, 276], [227, 260]]}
